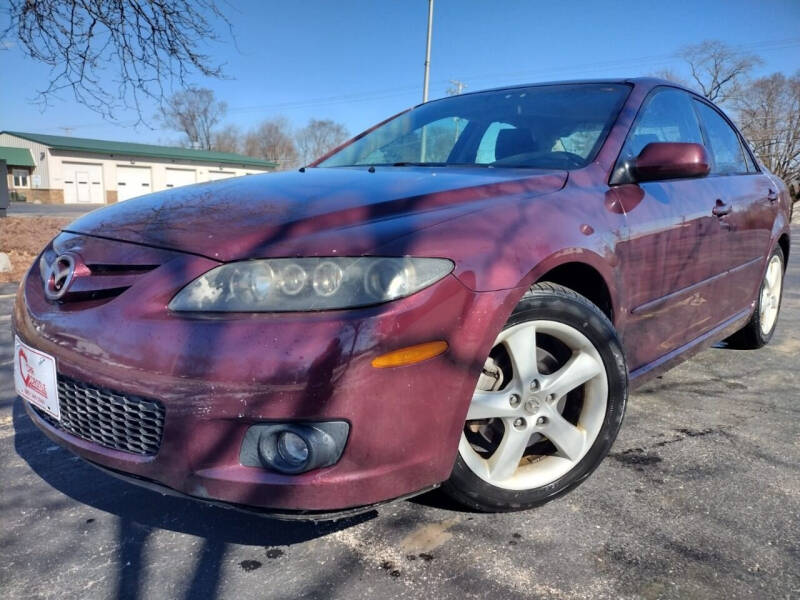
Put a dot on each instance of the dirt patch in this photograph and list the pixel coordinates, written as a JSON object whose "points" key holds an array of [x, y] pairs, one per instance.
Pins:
{"points": [[22, 238]]}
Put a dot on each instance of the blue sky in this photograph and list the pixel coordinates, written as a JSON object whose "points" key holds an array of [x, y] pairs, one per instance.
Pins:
{"points": [[359, 61]]}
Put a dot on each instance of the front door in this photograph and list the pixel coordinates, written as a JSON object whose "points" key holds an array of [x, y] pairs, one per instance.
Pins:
{"points": [[667, 259]]}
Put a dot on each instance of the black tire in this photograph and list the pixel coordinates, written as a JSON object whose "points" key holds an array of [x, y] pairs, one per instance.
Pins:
{"points": [[547, 301], [751, 336]]}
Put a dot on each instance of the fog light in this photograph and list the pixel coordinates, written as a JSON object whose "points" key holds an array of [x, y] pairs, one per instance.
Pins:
{"points": [[292, 448]]}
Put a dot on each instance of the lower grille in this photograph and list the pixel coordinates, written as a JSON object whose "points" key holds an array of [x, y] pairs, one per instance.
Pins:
{"points": [[111, 419]]}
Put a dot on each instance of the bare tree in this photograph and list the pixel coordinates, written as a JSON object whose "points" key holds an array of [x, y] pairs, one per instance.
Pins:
{"points": [[116, 52], [718, 70], [227, 139], [769, 116], [319, 137], [272, 140], [671, 75], [194, 112]]}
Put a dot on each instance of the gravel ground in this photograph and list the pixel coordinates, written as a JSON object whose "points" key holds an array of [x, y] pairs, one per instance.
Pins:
{"points": [[700, 498], [29, 209], [22, 238]]}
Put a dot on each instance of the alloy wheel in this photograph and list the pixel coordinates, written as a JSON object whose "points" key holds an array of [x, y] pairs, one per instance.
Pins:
{"points": [[771, 294], [538, 408]]}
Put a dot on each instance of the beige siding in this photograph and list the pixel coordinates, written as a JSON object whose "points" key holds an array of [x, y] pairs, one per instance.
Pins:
{"points": [[158, 168], [42, 168], [53, 173]]}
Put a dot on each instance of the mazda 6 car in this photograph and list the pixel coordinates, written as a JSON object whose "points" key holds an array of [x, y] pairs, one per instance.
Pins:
{"points": [[461, 296]]}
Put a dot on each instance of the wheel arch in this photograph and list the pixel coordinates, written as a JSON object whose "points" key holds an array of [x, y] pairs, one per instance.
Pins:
{"points": [[784, 243], [583, 271], [586, 280]]}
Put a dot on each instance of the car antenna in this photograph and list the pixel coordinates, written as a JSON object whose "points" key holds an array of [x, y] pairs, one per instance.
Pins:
{"points": [[302, 169], [371, 169]]}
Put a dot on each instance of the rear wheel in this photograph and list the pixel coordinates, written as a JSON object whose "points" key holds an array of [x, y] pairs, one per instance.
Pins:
{"points": [[761, 326], [547, 407]]}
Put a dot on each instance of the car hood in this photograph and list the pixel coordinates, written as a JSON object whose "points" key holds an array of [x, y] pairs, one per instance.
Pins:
{"points": [[322, 211]]}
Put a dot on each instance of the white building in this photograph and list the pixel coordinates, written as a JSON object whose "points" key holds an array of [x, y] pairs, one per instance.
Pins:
{"points": [[68, 170]]}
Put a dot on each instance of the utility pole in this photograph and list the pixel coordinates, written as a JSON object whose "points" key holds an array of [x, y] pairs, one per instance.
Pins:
{"points": [[428, 53], [423, 150]]}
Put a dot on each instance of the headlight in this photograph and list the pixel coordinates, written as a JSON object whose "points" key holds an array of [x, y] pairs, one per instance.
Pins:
{"points": [[303, 284]]}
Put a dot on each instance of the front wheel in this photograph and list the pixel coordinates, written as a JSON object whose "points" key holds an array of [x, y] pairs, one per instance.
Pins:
{"points": [[547, 407]]}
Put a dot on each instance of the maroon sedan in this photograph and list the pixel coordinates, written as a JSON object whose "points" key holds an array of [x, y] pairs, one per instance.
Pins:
{"points": [[460, 296]]}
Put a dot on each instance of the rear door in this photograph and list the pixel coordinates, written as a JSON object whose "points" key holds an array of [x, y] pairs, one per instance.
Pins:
{"points": [[667, 260], [751, 202]]}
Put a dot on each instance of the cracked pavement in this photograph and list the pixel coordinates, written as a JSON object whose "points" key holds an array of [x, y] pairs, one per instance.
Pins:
{"points": [[699, 498]]}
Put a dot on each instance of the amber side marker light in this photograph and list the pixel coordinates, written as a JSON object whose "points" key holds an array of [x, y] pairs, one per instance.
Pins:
{"points": [[409, 355]]}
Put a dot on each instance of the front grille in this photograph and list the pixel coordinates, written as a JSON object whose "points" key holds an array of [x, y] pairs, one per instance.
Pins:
{"points": [[111, 419]]}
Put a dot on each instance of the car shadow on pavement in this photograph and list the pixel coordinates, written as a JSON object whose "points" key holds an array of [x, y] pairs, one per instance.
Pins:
{"points": [[141, 512]]}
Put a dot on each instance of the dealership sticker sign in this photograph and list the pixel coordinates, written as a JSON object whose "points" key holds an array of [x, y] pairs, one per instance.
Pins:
{"points": [[35, 378]]}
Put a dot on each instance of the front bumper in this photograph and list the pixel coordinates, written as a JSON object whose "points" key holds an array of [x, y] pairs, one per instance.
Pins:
{"points": [[216, 376]]}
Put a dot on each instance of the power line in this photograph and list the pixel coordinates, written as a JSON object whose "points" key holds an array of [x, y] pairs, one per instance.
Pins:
{"points": [[642, 61]]}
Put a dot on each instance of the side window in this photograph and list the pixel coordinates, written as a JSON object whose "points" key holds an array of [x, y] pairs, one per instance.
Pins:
{"points": [[667, 116], [726, 150], [488, 144]]}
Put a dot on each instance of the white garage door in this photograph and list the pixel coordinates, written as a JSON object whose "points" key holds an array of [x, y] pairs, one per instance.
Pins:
{"points": [[179, 177], [214, 175], [132, 182], [83, 183]]}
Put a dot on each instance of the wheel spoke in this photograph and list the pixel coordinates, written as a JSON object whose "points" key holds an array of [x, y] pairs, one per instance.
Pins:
{"points": [[489, 405], [578, 370], [504, 461], [773, 273], [521, 344], [565, 436]]}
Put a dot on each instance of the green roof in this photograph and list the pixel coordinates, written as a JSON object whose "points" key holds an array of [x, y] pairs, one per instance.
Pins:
{"points": [[16, 157], [61, 142]]}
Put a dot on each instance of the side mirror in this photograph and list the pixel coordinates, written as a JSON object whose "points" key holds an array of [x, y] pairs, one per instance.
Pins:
{"points": [[670, 160]]}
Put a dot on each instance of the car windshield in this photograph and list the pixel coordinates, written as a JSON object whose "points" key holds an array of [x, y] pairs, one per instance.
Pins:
{"points": [[549, 126]]}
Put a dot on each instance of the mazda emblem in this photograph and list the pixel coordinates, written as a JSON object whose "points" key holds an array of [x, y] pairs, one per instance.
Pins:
{"points": [[59, 276]]}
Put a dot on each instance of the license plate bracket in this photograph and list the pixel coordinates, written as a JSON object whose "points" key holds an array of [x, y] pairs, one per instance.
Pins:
{"points": [[36, 379]]}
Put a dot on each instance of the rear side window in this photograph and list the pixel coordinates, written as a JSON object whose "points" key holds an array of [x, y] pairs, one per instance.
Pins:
{"points": [[667, 116], [748, 157], [726, 150]]}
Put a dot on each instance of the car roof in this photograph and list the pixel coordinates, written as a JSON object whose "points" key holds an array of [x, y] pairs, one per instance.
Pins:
{"points": [[647, 82]]}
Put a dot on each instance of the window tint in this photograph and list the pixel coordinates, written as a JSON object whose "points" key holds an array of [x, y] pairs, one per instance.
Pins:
{"points": [[726, 151], [668, 116]]}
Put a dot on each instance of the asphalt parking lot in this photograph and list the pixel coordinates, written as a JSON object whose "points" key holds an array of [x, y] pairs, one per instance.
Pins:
{"points": [[700, 498]]}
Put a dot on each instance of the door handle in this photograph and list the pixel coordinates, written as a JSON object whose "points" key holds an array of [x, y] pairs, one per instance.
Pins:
{"points": [[772, 195], [721, 209]]}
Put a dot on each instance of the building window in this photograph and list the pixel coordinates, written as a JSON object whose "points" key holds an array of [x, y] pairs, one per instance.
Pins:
{"points": [[20, 178]]}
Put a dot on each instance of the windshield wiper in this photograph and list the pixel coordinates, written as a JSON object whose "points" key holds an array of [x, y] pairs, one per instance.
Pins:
{"points": [[436, 164]]}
